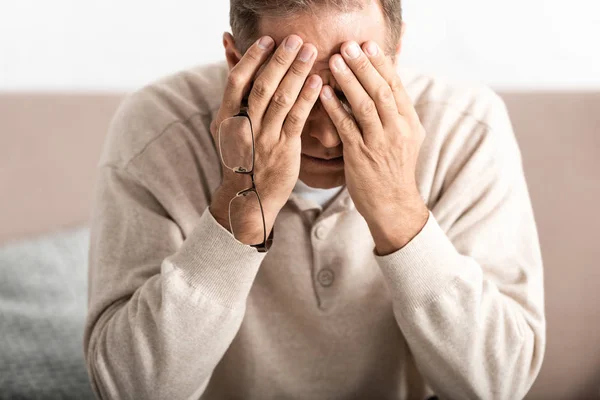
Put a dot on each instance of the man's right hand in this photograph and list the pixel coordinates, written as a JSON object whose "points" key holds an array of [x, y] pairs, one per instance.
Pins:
{"points": [[279, 103]]}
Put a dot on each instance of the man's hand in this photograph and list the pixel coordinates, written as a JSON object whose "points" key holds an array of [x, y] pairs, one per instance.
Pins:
{"points": [[381, 144], [280, 101]]}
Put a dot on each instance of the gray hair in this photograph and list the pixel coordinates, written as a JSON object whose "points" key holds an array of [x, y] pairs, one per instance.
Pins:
{"points": [[244, 16]]}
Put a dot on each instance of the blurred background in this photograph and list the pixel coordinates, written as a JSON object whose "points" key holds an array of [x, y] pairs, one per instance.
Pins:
{"points": [[112, 45], [65, 65]]}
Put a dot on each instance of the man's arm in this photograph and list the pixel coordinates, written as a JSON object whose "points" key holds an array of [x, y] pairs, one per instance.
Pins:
{"points": [[468, 289], [467, 278], [162, 311]]}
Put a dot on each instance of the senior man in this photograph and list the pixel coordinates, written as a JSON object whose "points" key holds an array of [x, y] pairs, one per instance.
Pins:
{"points": [[310, 220]]}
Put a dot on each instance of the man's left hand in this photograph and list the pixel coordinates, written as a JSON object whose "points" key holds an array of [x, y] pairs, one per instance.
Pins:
{"points": [[382, 139]]}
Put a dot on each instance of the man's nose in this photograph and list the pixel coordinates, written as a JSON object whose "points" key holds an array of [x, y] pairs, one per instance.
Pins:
{"points": [[322, 128]]}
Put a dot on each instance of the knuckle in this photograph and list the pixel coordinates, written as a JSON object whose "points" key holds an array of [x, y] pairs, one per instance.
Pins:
{"points": [[346, 123], [234, 80], [281, 100], [362, 65], [280, 59], [253, 54], [383, 94], [297, 70], [396, 85], [348, 79], [294, 121], [366, 107], [378, 61], [260, 89], [338, 109], [307, 96]]}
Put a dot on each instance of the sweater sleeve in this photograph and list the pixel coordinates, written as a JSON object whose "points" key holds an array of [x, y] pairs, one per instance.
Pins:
{"points": [[162, 309], [468, 289]]}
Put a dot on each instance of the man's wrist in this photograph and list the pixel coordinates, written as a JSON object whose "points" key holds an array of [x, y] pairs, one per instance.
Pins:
{"points": [[251, 232], [218, 216], [219, 207], [395, 231]]}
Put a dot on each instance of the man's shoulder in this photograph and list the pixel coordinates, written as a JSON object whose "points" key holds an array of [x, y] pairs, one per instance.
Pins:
{"points": [[437, 98], [189, 94]]}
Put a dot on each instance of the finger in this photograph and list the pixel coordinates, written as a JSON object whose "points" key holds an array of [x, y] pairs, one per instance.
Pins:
{"points": [[296, 118], [241, 75], [388, 71], [372, 81], [344, 123], [363, 107], [269, 79], [286, 94]]}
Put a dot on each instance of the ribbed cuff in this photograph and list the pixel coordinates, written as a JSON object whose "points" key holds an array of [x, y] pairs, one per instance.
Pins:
{"points": [[423, 269], [215, 262]]}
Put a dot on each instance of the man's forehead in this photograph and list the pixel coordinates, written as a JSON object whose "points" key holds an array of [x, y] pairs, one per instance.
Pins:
{"points": [[327, 29]]}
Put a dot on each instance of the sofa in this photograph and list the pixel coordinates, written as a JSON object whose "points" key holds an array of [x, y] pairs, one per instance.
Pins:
{"points": [[49, 147]]}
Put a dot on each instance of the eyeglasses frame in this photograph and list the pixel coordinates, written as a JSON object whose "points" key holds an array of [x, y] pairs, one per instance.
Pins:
{"points": [[267, 241]]}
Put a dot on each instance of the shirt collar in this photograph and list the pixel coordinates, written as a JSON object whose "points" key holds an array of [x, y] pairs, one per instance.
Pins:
{"points": [[340, 203]]}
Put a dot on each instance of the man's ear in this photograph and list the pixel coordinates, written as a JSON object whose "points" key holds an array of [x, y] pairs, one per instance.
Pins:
{"points": [[232, 54], [399, 44]]}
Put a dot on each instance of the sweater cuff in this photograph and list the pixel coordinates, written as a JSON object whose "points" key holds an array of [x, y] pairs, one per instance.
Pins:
{"points": [[423, 269], [213, 260]]}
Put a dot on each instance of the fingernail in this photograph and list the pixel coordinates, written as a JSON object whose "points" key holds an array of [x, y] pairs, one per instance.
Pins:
{"points": [[306, 54], [339, 64], [353, 51], [265, 42], [327, 93], [371, 49], [292, 43], [313, 82]]}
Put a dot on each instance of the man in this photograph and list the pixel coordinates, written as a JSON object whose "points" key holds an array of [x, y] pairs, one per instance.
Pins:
{"points": [[393, 253]]}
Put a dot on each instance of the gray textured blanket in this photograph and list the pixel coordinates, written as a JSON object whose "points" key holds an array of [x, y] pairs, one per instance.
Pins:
{"points": [[43, 300]]}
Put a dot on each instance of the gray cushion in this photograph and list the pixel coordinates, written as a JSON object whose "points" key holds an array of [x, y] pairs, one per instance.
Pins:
{"points": [[43, 303]]}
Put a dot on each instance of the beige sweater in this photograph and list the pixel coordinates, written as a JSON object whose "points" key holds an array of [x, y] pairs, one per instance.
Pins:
{"points": [[179, 309]]}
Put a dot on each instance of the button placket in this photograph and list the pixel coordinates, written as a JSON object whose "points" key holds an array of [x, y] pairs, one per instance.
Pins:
{"points": [[321, 232], [326, 277]]}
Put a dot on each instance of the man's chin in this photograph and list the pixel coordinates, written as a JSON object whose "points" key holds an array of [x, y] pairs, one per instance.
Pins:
{"points": [[322, 180]]}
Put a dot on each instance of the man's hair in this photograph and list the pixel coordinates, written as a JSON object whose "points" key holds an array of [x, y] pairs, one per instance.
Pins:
{"points": [[244, 16]]}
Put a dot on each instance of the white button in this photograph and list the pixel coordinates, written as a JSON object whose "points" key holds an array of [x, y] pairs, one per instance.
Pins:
{"points": [[321, 232], [325, 277]]}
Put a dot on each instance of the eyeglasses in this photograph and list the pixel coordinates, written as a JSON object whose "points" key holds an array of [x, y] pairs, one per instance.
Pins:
{"points": [[236, 148]]}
